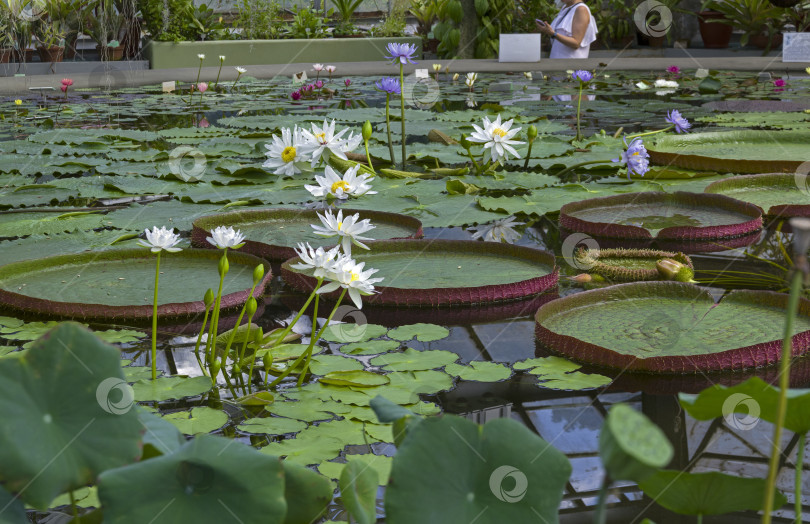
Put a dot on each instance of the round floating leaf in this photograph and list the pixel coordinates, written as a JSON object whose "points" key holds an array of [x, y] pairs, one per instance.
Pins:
{"points": [[209, 479], [777, 194], [428, 273], [69, 393], [356, 333], [306, 452], [325, 364], [424, 382], [422, 332], [271, 426], [119, 284], [371, 347], [631, 446], [168, 388], [308, 494], [308, 410], [671, 327], [709, 493], [480, 371], [573, 381], [379, 463], [355, 378], [200, 419], [358, 491], [733, 151], [462, 472], [413, 360]]}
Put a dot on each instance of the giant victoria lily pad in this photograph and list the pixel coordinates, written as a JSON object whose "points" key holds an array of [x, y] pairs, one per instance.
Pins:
{"points": [[734, 151], [779, 195], [432, 273], [273, 233], [671, 327], [119, 284], [677, 216]]}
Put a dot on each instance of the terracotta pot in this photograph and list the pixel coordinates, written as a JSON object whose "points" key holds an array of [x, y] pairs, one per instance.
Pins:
{"points": [[51, 54], [761, 41], [28, 54], [6, 54], [110, 53], [715, 35], [657, 41], [432, 45]]}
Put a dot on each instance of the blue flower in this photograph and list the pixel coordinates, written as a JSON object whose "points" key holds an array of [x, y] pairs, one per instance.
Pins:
{"points": [[388, 84], [635, 158], [681, 124], [402, 53], [583, 76]]}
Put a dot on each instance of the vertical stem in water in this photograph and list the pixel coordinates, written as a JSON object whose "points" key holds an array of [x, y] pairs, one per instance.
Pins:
{"points": [[798, 481], [388, 126], [600, 517], [311, 342], [579, 104], [154, 319], [402, 108]]}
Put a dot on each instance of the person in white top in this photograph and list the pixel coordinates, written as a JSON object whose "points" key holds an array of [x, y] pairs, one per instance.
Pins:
{"points": [[572, 31]]}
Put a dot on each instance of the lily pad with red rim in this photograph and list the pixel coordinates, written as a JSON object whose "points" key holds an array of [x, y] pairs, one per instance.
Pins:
{"points": [[435, 273], [119, 284], [274, 233], [671, 327], [778, 195]]}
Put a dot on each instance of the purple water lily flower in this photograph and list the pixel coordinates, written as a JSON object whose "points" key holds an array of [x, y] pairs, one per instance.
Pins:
{"points": [[295, 95], [318, 84], [674, 70], [583, 76], [388, 85], [347, 82], [402, 53], [681, 124], [635, 157]]}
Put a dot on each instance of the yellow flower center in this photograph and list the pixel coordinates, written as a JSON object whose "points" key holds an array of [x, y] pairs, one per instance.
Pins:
{"points": [[498, 132], [288, 155], [342, 185], [635, 153], [321, 137], [340, 224], [355, 276]]}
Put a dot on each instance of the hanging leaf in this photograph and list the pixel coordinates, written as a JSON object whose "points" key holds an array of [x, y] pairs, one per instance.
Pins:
{"points": [[631, 446], [307, 494], [358, 491]]}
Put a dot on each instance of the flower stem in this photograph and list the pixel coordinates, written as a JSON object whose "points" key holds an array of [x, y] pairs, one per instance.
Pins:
{"points": [[199, 339], [154, 318], [236, 327], [402, 108], [216, 82], [784, 384], [368, 158], [798, 480], [589, 162], [211, 343], [191, 96], [650, 132], [311, 341], [289, 327], [472, 159], [528, 155], [579, 104], [388, 126], [238, 74]]}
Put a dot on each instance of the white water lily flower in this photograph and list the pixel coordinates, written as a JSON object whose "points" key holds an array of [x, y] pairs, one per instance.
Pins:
{"points": [[471, 78], [528, 75], [241, 70], [317, 261], [162, 238], [201, 56], [351, 143], [226, 237], [501, 230], [666, 83], [288, 154], [497, 138], [348, 229], [350, 184], [221, 58], [664, 92], [330, 69], [349, 274], [642, 85], [325, 142], [317, 67]]}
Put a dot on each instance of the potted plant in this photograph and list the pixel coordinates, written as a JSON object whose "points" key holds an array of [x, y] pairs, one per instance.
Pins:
{"points": [[758, 19], [51, 39], [106, 26], [66, 15], [715, 33], [425, 12], [6, 36], [614, 18]]}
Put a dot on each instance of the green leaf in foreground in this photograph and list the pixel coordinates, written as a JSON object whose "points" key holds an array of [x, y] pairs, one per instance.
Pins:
{"points": [[358, 491], [307, 494], [631, 446]]}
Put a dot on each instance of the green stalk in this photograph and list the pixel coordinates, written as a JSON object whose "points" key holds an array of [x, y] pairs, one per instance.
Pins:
{"points": [[289, 327], [368, 157], [475, 164], [216, 82], [528, 155], [238, 74], [798, 480], [73, 508], [648, 133], [700, 518], [154, 318], [191, 96], [589, 162], [199, 339], [579, 104], [311, 343], [388, 126], [402, 108], [600, 517], [211, 343], [784, 384], [238, 323]]}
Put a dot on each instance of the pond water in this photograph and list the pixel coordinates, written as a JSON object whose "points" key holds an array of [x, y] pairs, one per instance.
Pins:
{"points": [[108, 162]]}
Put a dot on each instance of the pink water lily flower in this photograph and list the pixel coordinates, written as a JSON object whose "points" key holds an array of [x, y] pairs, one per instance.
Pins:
{"points": [[202, 87]]}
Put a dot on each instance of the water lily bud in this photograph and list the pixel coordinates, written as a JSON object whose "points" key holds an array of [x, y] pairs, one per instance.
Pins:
{"points": [[209, 298], [223, 266], [258, 274], [532, 132], [465, 143], [258, 336], [215, 367], [236, 369], [267, 362], [367, 130], [673, 270], [250, 306], [582, 278]]}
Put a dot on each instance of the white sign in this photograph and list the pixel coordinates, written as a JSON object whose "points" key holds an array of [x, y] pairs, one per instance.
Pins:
{"points": [[299, 78], [421, 73], [519, 48], [168, 87], [796, 47]]}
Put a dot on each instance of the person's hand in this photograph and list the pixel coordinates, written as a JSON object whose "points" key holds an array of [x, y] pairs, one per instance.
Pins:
{"points": [[544, 28]]}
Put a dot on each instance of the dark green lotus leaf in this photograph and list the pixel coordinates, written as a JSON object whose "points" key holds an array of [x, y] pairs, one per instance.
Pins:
{"points": [[710, 493], [358, 491], [48, 222], [160, 437], [356, 378], [631, 446], [670, 327], [119, 283], [273, 233], [448, 272], [743, 405], [778, 195], [167, 388], [69, 393], [733, 151], [462, 472], [626, 265], [307, 494], [13, 509], [754, 119], [209, 479]]}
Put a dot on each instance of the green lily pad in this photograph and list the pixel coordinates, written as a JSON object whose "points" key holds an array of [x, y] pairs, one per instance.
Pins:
{"points": [[413, 360], [305, 452], [427, 382], [777, 194], [160, 436], [479, 371], [358, 378], [271, 426], [209, 479], [168, 388], [370, 347], [669, 327], [200, 419], [631, 446], [308, 410], [70, 394], [422, 332], [349, 332], [325, 364]]}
